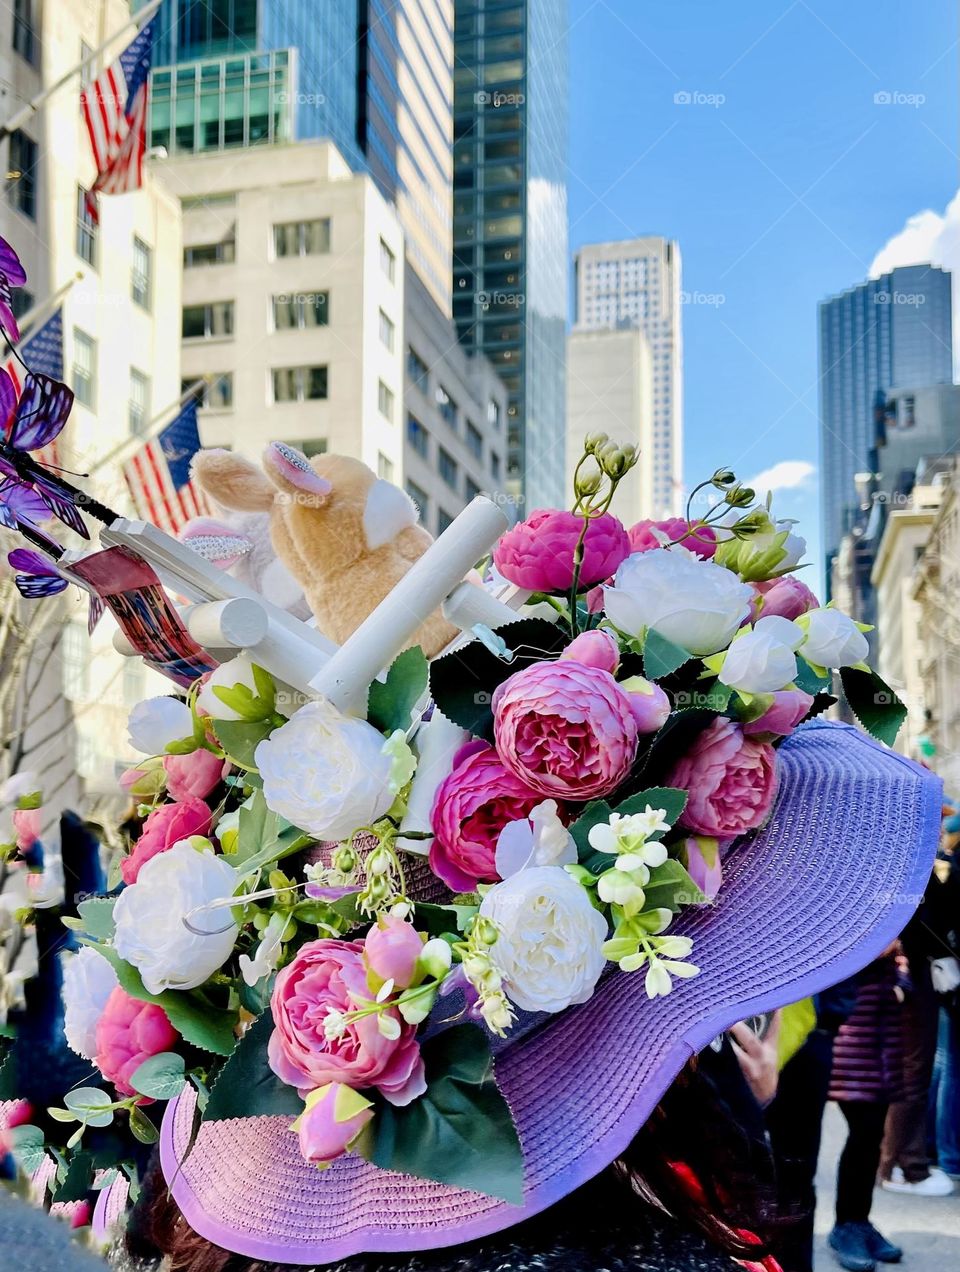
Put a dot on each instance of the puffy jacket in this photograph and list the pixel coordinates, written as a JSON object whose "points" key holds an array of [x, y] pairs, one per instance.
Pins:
{"points": [[868, 1051]]}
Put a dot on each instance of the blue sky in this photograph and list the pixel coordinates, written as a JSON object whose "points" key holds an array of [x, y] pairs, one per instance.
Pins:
{"points": [[780, 195]]}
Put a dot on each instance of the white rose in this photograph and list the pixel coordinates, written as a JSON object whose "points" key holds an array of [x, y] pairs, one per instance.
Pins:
{"points": [[794, 545], [326, 772], [548, 950], [149, 914], [694, 603], [88, 981], [832, 639], [237, 671], [156, 721], [763, 660]]}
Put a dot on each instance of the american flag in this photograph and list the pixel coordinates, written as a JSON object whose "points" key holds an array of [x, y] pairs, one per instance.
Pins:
{"points": [[42, 351], [115, 111], [158, 476]]}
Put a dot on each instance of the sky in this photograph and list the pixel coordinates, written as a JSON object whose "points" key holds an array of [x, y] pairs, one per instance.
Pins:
{"points": [[820, 145]]}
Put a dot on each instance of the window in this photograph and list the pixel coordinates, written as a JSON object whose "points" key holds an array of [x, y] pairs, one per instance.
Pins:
{"points": [[84, 368], [299, 384], [140, 273], [222, 253], [22, 174], [388, 261], [472, 489], [417, 436], [494, 466], [420, 498], [384, 467], [447, 466], [448, 408], [474, 440], [417, 369], [386, 331], [296, 311], [203, 321], [24, 31], [86, 230], [213, 389], [138, 409], [86, 64], [493, 413], [302, 238], [385, 401], [444, 519]]}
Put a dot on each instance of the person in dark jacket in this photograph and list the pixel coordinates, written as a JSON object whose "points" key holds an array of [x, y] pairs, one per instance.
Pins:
{"points": [[865, 1078]]}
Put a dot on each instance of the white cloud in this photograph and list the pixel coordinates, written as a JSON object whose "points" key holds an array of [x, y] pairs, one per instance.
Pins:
{"points": [[786, 475]]}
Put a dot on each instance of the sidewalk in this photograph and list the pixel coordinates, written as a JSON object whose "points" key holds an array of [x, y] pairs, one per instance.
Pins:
{"points": [[928, 1228]]}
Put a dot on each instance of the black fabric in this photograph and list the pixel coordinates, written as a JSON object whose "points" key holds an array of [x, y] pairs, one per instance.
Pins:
{"points": [[857, 1171]]}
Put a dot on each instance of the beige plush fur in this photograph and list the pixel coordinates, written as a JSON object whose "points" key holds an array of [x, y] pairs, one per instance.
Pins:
{"points": [[347, 547]]}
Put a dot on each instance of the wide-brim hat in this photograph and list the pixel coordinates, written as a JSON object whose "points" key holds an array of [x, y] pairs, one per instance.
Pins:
{"points": [[816, 895]]}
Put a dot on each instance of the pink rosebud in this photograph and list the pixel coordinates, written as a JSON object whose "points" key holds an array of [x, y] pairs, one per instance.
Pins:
{"points": [[391, 949], [164, 827], [144, 781], [701, 856], [730, 781], [538, 553], [649, 703], [566, 730], [194, 775], [594, 649], [699, 539], [334, 1116], [26, 823], [786, 597], [76, 1213], [788, 708], [129, 1032], [472, 805]]}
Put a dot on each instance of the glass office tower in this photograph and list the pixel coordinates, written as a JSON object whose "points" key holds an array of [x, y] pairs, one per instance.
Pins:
{"points": [[510, 221]]}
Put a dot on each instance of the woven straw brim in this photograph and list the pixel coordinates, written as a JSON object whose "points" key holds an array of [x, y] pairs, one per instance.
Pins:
{"points": [[814, 897]]}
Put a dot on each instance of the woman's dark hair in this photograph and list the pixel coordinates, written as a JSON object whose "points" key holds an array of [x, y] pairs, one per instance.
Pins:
{"points": [[701, 1157]]}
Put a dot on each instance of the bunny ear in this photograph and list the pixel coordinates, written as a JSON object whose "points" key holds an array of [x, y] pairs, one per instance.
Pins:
{"points": [[290, 469], [232, 481]]}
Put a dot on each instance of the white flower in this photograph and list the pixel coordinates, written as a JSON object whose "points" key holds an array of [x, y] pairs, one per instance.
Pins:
{"points": [[832, 639], [694, 603], [325, 772], [151, 918], [624, 887], [548, 950], [267, 954], [763, 660], [538, 840], [237, 671], [626, 834], [156, 721], [88, 981], [794, 545]]}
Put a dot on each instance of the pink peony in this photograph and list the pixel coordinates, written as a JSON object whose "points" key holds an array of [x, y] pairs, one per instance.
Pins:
{"points": [[702, 539], [328, 976], [730, 781], [391, 949], [334, 1117], [786, 597], [129, 1032], [594, 649], [566, 730], [164, 827], [538, 553], [472, 805], [193, 775], [788, 708]]}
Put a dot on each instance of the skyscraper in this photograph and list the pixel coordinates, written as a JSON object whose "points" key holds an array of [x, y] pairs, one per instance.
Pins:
{"points": [[892, 332], [510, 221], [636, 283]]}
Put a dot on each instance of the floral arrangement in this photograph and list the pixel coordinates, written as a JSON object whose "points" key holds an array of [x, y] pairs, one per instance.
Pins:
{"points": [[281, 937]]}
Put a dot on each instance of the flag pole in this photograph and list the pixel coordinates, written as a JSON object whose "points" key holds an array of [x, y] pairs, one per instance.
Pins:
{"points": [[154, 428], [40, 310], [27, 112]]}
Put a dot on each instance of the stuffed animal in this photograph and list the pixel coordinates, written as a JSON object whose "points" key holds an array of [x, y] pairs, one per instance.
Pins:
{"points": [[347, 536]]}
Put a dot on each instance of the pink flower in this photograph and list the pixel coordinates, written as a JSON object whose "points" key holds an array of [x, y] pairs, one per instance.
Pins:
{"points": [[26, 823], [327, 979], [699, 539], [129, 1032], [565, 729], [788, 708], [594, 649], [701, 856], [730, 781], [76, 1213], [164, 827], [472, 805], [334, 1117], [538, 553], [649, 703], [786, 597], [391, 949], [194, 775]]}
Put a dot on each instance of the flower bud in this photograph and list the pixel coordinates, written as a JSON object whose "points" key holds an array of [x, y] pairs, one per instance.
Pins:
{"points": [[435, 958], [486, 931], [378, 863], [593, 441], [723, 477], [345, 859]]}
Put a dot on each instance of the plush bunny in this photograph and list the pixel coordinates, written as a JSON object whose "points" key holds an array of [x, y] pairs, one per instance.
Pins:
{"points": [[347, 536]]}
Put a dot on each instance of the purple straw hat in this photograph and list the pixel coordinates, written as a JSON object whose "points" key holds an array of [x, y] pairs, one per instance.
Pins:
{"points": [[819, 892]]}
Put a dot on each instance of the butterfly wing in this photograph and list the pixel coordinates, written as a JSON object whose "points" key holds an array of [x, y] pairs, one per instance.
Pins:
{"points": [[20, 502], [60, 504], [42, 412], [37, 576]]}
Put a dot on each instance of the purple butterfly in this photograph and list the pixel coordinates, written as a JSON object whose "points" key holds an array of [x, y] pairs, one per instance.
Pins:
{"points": [[12, 274], [37, 576], [31, 423]]}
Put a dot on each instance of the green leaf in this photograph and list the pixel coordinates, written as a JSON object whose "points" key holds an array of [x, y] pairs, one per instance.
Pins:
{"points": [[436, 920], [97, 916], [716, 698], [264, 684], [874, 703], [83, 1102], [262, 837], [78, 1179], [240, 738], [160, 1076], [662, 656], [391, 702], [669, 798], [26, 1144], [141, 1127], [460, 1131], [247, 1086], [207, 1027], [671, 887], [808, 680], [8, 1076], [595, 814]]}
